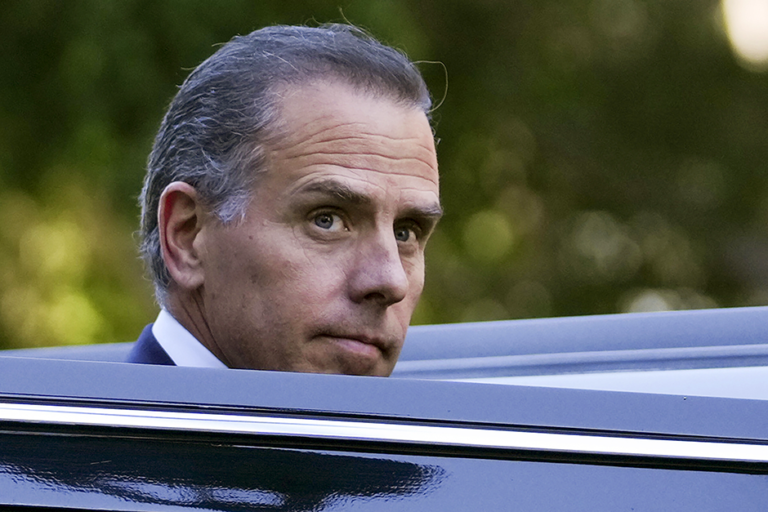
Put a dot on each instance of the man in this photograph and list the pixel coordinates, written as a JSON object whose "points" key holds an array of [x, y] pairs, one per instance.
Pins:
{"points": [[289, 197]]}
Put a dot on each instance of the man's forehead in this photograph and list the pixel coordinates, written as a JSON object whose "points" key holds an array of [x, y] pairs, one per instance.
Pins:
{"points": [[334, 126], [333, 106]]}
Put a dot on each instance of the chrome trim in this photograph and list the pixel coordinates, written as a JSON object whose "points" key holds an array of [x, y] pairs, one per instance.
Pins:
{"points": [[373, 431]]}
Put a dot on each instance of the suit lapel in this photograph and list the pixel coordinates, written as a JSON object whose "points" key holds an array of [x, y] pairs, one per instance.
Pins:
{"points": [[148, 351]]}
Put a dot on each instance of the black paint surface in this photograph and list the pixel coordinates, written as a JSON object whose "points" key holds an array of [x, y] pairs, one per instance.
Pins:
{"points": [[123, 473]]}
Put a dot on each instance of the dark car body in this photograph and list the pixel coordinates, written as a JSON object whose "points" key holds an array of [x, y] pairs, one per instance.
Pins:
{"points": [[104, 435]]}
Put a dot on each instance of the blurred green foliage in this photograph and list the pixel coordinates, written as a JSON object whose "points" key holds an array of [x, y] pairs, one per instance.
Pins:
{"points": [[597, 156]]}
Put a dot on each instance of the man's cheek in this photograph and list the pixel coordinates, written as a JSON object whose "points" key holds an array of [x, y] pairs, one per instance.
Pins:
{"points": [[414, 269]]}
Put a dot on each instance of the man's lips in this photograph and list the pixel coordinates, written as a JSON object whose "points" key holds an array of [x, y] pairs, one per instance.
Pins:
{"points": [[358, 342]]}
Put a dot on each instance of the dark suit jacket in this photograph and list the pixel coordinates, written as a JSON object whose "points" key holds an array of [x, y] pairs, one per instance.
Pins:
{"points": [[148, 351]]}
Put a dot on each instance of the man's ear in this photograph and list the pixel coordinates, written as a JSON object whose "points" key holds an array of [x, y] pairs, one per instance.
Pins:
{"points": [[180, 217]]}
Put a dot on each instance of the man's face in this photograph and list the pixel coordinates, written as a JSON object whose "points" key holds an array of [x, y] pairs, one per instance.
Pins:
{"points": [[326, 269]]}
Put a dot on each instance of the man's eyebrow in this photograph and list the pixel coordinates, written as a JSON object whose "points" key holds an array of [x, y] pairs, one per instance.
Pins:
{"points": [[343, 192], [339, 191], [431, 212]]}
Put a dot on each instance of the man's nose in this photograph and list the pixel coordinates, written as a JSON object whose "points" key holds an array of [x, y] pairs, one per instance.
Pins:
{"points": [[379, 275]]}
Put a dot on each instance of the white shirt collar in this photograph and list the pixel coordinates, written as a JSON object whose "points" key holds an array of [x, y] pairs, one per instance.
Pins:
{"points": [[180, 345]]}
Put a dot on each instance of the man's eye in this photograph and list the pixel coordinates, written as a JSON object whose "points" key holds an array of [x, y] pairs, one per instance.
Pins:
{"points": [[405, 233], [329, 221], [402, 234]]}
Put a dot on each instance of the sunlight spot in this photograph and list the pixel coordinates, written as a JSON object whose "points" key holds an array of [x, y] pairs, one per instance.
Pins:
{"points": [[746, 23], [488, 236], [648, 300], [72, 319], [55, 250], [600, 248]]}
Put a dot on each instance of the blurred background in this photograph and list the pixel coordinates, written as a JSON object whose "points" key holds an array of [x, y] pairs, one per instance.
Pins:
{"points": [[597, 156]]}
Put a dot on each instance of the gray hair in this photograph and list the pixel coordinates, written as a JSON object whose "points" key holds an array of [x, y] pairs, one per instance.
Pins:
{"points": [[213, 134]]}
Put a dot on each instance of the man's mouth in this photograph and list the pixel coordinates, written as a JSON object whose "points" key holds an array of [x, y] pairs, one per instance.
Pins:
{"points": [[358, 343]]}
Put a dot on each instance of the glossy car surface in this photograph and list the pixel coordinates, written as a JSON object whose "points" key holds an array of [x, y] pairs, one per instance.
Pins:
{"points": [[111, 436]]}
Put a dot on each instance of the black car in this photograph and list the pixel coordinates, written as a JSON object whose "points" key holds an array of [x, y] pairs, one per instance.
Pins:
{"points": [[94, 434]]}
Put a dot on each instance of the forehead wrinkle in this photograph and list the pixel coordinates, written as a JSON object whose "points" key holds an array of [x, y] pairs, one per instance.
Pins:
{"points": [[371, 141], [355, 160], [387, 172], [350, 133], [355, 134], [362, 144], [361, 161], [352, 158]]}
